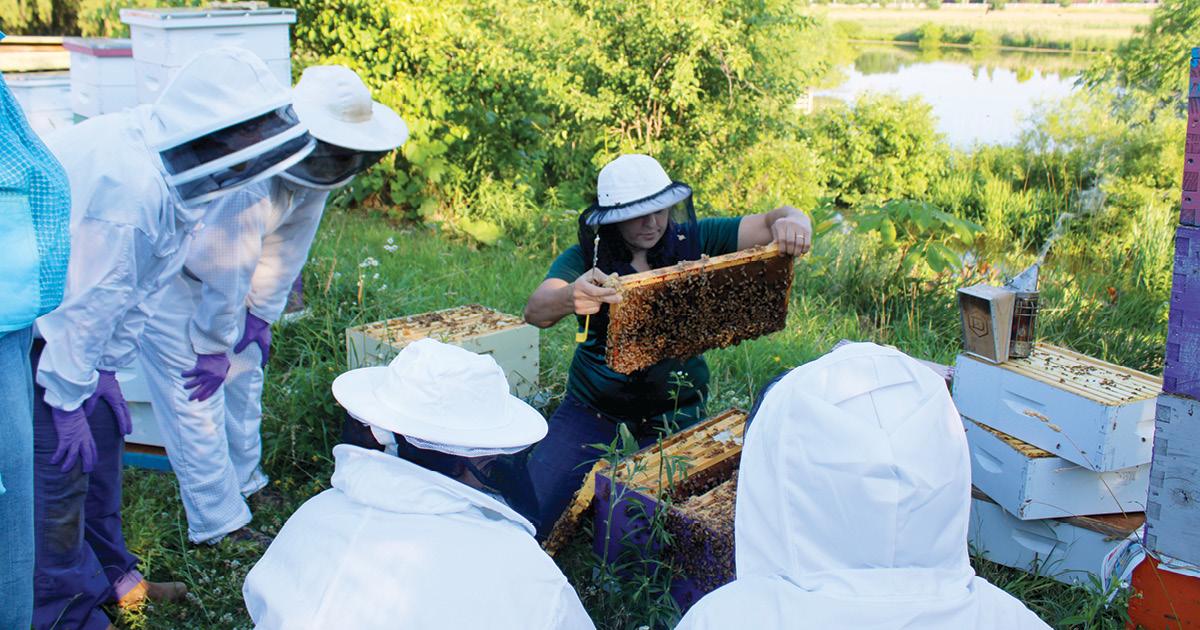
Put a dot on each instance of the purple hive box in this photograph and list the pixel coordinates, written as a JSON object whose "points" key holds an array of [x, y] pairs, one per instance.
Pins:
{"points": [[1181, 374], [703, 556], [1190, 201]]}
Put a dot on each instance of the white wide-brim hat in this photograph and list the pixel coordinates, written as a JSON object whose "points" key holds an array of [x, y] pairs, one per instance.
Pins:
{"points": [[336, 106], [441, 395], [632, 186]]}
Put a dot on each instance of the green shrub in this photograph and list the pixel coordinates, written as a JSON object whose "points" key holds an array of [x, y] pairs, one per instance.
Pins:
{"points": [[997, 5], [983, 39], [881, 148], [532, 98], [933, 4], [929, 35]]}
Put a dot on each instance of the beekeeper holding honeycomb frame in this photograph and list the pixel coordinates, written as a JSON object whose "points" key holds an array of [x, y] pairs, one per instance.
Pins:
{"points": [[642, 220]]}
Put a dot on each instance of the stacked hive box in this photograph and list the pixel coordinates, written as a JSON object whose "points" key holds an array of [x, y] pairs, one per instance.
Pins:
{"points": [[45, 98], [1056, 439], [102, 77], [697, 470], [510, 341], [166, 39], [1170, 598]]}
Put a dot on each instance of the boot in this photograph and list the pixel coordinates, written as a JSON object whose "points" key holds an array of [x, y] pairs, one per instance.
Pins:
{"points": [[152, 591]]}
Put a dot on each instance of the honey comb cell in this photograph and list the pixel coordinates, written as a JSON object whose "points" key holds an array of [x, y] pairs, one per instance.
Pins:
{"points": [[680, 311]]}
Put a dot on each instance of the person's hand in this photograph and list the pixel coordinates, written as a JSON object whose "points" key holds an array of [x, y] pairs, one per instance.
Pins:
{"points": [[75, 441], [257, 331], [793, 233], [108, 390], [208, 375], [590, 295]]}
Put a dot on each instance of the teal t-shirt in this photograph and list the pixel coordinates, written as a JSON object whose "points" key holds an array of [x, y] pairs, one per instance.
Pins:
{"points": [[659, 389]]}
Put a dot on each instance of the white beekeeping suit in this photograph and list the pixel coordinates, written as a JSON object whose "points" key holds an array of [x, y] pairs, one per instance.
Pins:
{"points": [[406, 537], [240, 270], [853, 504], [252, 240], [131, 226]]}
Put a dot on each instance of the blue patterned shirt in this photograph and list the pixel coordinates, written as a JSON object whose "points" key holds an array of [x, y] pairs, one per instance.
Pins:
{"points": [[35, 216]]}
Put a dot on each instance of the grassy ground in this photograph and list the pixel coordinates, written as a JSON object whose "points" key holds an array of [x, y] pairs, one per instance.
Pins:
{"points": [[364, 268], [1086, 27]]}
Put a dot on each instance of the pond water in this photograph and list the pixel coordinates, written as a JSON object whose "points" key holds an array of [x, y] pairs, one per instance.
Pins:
{"points": [[977, 99]]}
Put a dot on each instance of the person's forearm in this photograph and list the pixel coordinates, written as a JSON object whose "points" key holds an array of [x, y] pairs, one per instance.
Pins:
{"points": [[548, 305]]}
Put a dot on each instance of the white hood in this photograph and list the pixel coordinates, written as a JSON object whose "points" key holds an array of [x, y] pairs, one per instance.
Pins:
{"points": [[853, 504]]}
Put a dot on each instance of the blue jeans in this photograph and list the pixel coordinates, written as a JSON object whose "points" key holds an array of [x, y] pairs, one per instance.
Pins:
{"points": [[81, 562], [16, 473]]}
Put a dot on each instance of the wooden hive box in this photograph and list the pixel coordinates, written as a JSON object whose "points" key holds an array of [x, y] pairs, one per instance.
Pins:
{"points": [[709, 445], [1031, 483], [700, 518], [1173, 508], [1181, 372], [1070, 550], [1190, 203], [510, 341], [1086, 411], [680, 311]]}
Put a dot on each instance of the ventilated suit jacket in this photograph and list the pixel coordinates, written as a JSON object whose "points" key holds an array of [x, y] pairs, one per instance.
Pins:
{"points": [[393, 545]]}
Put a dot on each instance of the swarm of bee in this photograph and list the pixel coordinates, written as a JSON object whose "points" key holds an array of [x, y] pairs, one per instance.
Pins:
{"points": [[703, 529], [681, 311]]}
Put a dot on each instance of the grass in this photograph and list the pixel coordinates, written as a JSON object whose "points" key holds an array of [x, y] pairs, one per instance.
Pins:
{"points": [[364, 268], [1080, 27]]}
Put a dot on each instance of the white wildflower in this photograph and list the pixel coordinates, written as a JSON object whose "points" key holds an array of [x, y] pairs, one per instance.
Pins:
{"points": [[369, 261]]}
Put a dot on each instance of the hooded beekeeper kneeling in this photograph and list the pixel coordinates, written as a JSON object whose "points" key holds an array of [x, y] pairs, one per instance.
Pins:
{"points": [[411, 535], [852, 506]]}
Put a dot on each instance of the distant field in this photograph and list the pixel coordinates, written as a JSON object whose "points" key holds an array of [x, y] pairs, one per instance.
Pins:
{"points": [[1087, 27]]}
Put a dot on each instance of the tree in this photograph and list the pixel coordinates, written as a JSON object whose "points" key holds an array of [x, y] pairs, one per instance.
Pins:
{"points": [[1153, 64]]}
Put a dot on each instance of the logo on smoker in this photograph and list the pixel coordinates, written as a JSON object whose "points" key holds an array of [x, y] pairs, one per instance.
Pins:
{"points": [[978, 325]]}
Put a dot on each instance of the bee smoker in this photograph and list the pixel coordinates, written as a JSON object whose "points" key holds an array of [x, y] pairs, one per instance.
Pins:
{"points": [[1025, 310]]}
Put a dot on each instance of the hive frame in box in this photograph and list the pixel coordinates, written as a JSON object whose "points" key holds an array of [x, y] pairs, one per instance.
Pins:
{"points": [[1173, 508], [1031, 483], [643, 469], [624, 499], [508, 339], [1070, 550], [759, 278], [1086, 411]]}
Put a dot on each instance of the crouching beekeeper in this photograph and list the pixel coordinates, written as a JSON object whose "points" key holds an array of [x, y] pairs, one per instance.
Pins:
{"points": [[853, 501], [411, 535]]}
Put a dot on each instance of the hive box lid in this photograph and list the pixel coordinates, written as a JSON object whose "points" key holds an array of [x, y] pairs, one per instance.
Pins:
{"points": [[99, 46], [1087, 411], [38, 79], [173, 18], [1032, 483]]}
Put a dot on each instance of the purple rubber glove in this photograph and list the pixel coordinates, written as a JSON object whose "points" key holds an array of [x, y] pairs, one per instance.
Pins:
{"points": [[257, 331], [108, 390], [208, 375], [75, 440]]}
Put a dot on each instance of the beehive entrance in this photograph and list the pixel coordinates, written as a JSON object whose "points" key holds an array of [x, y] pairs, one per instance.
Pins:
{"points": [[680, 311]]}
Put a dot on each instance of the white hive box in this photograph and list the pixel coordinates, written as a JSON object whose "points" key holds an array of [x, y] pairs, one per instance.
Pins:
{"points": [[1031, 483], [166, 39], [136, 390], [510, 341], [102, 76], [1069, 550], [1173, 510], [45, 97], [1086, 411]]}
